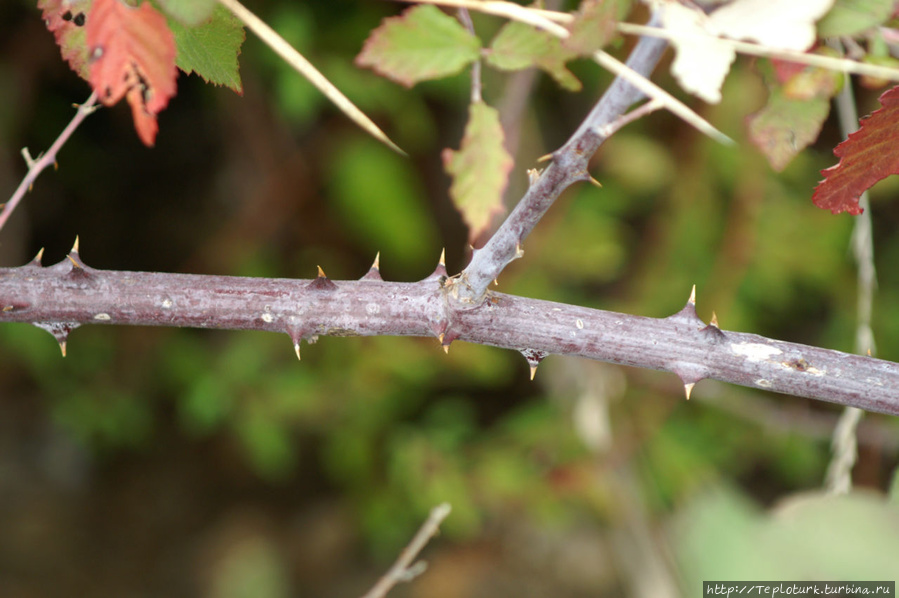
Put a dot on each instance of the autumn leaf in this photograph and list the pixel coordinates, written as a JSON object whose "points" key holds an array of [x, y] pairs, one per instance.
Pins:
{"points": [[786, 126], [866, 157], [66, 20], [480, 170], [784, 24], [132, 55], [593, 26], [422, 43], [702, 61], [520, 46]]}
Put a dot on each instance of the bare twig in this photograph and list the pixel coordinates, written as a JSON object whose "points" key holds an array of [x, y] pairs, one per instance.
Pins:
{"points": [[36, 166], [845, 435], [842, 65], [283, 49], [403, 570], [626, 119]]}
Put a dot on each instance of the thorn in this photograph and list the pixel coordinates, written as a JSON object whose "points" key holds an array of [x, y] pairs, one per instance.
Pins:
{"points": [[62, 347], [296, 349], [446, 348], [688, 389], [714, 321], [322, 282], [534, 357], [440, 271], [440, 338], [545, 158], [594, 182], [374, 273], [55, 165], [37, 259], [75, 245], [495, 282], [519, 252], [533, 176], [869, 352], [692, 299]]}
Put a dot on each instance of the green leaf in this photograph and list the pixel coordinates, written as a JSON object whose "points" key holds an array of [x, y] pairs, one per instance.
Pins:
{"points": [[211, 49], [188, 12], [784, 127], [850, 17], [480, 169], [423, 43], [519, 46], [593, 26]]}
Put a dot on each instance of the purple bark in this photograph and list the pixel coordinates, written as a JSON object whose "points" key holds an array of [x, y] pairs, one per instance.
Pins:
{"points": [[69, 294]]}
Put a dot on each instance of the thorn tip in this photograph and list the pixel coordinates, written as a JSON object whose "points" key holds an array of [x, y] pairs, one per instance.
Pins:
{"points": [[688, 389]]}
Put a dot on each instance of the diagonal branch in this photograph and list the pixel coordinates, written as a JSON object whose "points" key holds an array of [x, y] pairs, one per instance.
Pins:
{"points": [[569, 165], [36, 167], [69, 294]]}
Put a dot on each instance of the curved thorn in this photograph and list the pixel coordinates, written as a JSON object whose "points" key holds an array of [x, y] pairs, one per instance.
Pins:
{"points": [[692, 299], [533, 372]]}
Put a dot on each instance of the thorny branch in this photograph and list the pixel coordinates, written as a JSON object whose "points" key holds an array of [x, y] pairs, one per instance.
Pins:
{"points": [[569, 165], [69, 294]]}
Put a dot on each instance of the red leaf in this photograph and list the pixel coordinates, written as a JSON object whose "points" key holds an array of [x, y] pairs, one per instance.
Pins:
{"points": [[866, 157], [65, 19], [132, 54]]}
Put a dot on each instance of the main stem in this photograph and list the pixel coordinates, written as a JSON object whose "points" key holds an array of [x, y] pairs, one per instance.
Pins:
{"points": [[569, 165], [69, 294]]}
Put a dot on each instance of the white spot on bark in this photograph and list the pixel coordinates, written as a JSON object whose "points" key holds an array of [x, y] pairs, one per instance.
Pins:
{"points": [[762, 383], [267, 318], [103, 317], [579, 324], [167, 303], [755, 351], [373, 308]]}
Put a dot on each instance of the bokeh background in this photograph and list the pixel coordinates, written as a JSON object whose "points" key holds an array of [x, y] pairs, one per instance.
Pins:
{"points": [[164, 462]]}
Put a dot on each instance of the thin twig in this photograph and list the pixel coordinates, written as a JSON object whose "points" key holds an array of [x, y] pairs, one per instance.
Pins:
{"points": [[465, 18], [283, 49], [626, 119], [845, 435], [403, 570], [36, 166], [842, 65]]}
